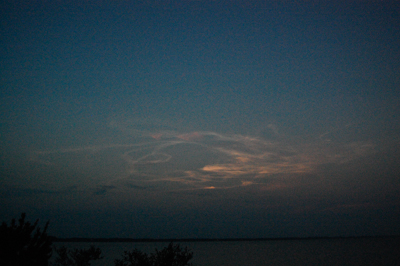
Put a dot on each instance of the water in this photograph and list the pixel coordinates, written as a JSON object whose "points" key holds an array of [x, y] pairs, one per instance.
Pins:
{"points": [[349, 251]]}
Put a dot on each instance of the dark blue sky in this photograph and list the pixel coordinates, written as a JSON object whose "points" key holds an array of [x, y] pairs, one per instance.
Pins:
{"points": [[207, 119]]}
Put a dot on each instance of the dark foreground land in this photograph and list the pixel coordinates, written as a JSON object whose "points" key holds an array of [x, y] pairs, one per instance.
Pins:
{"points": [[22, 243], [260, 252]]}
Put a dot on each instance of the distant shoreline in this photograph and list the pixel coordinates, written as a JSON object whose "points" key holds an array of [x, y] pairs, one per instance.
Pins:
{"points": [[81, 239]]}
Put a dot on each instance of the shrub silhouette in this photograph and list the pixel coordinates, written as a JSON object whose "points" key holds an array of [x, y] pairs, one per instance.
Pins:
{"points": [[173, 255], [76, 257], [134, 258], [22, 245]]}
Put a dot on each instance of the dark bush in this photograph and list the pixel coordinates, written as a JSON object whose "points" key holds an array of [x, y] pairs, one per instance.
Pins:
{"points": [[173, 255], [134, 258], [24, 244], [76, 257]]}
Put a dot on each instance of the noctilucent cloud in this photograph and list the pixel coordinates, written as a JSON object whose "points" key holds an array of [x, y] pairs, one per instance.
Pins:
{"points": [[201, 119]]}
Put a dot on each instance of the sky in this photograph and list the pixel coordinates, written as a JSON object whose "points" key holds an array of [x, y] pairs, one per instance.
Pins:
{"points": [[201, 118]]}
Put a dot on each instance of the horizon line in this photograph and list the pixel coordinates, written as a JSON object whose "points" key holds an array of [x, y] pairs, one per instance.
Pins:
{"points": [[121, 239]]}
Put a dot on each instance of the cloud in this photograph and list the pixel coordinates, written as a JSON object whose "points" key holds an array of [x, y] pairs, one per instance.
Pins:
{"points": [[171, 160]]}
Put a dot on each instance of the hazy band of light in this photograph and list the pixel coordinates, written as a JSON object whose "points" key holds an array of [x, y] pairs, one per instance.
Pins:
{"points": [[247, 159]]}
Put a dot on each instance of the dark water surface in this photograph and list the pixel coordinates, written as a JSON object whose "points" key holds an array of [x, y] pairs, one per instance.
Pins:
{"points": [[338, 251]]}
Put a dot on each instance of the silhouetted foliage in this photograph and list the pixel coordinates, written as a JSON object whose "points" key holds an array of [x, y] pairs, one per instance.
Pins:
{"points": [[76, 257], [173, 255], [24, 244], [21, 244], [62, 258], [134, 258]]}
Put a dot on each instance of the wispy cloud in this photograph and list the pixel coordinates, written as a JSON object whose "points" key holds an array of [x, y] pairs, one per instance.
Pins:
{"points": [[200, 159]]}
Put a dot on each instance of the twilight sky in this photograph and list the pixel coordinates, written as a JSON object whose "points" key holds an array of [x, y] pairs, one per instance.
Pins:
{"points": [[201, 118]]}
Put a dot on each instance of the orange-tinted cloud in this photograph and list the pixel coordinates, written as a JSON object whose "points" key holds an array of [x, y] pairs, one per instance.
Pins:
{"points": [[156, 136], [190, 136]]}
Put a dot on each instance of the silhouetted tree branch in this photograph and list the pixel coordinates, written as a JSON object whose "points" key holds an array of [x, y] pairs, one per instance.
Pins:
{"points": [[21, 244]]}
